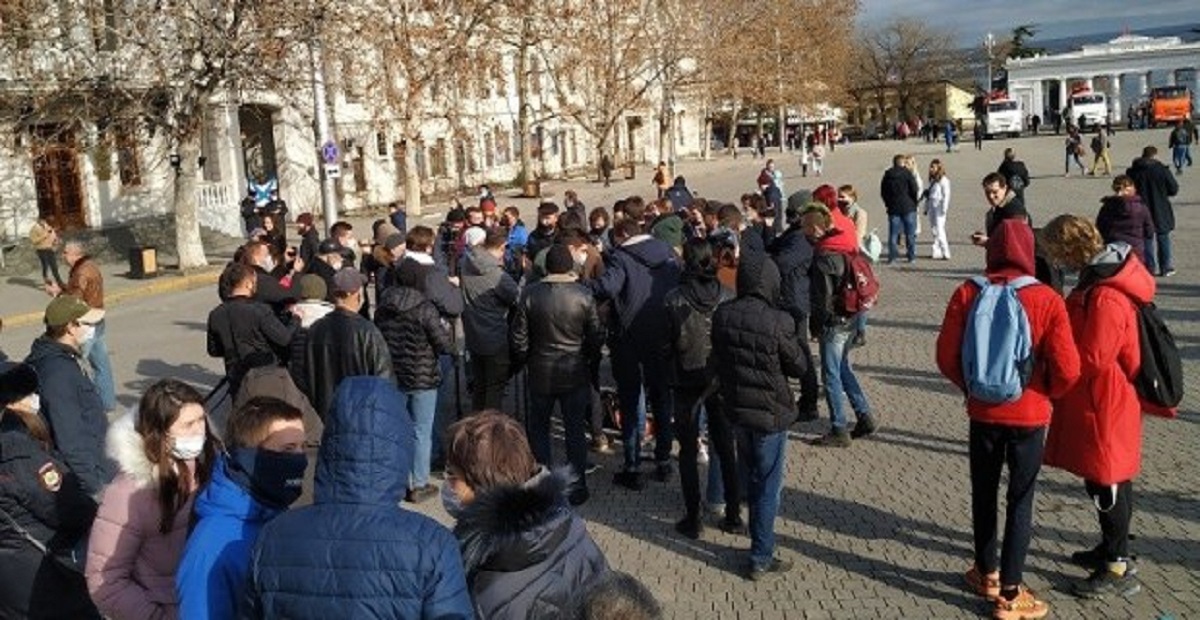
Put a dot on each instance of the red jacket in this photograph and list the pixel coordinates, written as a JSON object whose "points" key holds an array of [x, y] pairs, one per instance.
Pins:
{"points": [[842, 237], [1055, 359], [1097, 429]]}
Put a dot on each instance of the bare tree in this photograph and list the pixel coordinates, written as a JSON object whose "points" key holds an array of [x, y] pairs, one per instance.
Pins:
{"points": [[906, 57]]}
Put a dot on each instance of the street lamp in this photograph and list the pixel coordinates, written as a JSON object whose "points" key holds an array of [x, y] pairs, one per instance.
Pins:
{"points": [[989, 43]]}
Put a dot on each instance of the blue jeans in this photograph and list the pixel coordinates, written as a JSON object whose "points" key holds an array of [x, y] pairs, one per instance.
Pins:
{"points": [[763, 456], [1179, 155], [907, 224], [635, 364], [573, 406], [1158, 259], [839, 377], [96, 353], [421, 406]]}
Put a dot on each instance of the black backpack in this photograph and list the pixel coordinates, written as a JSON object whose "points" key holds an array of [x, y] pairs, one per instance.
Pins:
{"points": [[1160, 378]]}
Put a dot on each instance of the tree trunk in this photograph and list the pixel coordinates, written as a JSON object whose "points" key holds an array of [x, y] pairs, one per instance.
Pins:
{"points": [[412, 178], [731, 138], [782, 128], [523, 121], [706, 146], [188, 243]]}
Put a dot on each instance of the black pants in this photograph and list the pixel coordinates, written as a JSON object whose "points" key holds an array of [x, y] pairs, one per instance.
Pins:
{"points": [[49, 266], [1115, 514], [489, 377], [720, 435], [993, 446]]}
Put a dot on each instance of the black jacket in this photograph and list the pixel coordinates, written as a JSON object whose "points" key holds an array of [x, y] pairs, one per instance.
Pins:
{"points": [[899, 191], [325, 271], [489, 293], [690, 310], [343, 344], [756, 349], [793, 255], [1015, 169], [433, 281], [556, 331], [415, 337], [73, 410], [539, 239], [246, 334], [526, 555], [1156, 185], [271, 292], [310, 243], [45, 498]]}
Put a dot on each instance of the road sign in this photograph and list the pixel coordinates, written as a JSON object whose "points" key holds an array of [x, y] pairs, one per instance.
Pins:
{"points": [[329, 152], [333, 171]]}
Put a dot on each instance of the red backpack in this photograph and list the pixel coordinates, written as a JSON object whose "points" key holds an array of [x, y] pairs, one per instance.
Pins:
{"points": [[860, 288]]}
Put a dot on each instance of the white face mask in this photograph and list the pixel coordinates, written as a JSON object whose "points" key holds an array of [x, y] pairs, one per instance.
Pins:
{"points": [[86, 333], [34, 402], [268, 264], [187, 448]]}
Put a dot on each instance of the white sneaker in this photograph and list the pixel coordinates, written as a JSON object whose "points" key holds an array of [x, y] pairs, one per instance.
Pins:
{"points": [[702, 454]]}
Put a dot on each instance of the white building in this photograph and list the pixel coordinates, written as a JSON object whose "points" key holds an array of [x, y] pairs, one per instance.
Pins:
{"points": [[1125, 69]]}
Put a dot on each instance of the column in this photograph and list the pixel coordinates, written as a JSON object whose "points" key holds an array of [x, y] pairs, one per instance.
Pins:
{"points": [[1062, 94], [1088, 83], [1143, 84], [1170, 77], [1114, 97]]}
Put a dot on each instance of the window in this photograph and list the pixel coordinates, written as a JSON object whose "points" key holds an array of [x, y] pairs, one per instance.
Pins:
{"points": [[128, 164], [437, 158], [381, 143], [422, 171], [489, 150]]}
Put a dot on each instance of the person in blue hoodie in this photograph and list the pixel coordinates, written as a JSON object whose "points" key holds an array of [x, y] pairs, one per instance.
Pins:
{"points": [[355, 553], [260, 474]]}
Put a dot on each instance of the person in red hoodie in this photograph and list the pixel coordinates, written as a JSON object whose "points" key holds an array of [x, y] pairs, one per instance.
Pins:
{"points": [[1011, 432], [1097, 429]]}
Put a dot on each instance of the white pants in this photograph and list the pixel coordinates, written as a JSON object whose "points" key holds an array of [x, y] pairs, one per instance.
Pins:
{"points": [[941, 245]]}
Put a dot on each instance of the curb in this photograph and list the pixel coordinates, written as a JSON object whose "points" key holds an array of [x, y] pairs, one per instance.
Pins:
{"points": [[207, 277]]}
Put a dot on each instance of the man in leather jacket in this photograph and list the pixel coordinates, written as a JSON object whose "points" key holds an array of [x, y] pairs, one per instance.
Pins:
{"points": [[343, 343], [556, 331]]}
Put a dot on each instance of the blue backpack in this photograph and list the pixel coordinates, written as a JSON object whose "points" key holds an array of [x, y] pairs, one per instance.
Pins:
{"points": [[997, 348]]}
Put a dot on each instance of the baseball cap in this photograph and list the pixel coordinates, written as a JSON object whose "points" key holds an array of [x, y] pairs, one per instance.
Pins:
{"points": [[329, 246], [474, 236], [67, 308], [348, 280], [312, 287], [393, 241]]}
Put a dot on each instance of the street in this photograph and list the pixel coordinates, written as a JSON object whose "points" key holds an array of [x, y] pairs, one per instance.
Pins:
{"points": [[880, 530]]}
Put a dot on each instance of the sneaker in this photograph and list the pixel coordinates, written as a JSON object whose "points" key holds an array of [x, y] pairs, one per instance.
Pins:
{"points": [[421, 494], [1094, 559], [733, 525], [1024, 606], [1104, 583], [987, 586], [631, 480], [860, 338], [715, 510], [1168, 273], [602, 445], [702, 454], [865, 426], [578, 495], [663, 471], [690, 526], [775, 566], [807, 412], [832, 439]]}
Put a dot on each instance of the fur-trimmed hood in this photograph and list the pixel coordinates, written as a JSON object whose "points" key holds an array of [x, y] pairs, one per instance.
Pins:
{"points": [[508, 528], [126, 447]]}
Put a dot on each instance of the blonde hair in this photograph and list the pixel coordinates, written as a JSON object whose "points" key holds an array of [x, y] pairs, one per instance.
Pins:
{"points": [[1072, 241], [849, 190]]}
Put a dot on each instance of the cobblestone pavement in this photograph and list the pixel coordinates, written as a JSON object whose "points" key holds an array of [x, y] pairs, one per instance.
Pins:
{"points": [[880, 530]]}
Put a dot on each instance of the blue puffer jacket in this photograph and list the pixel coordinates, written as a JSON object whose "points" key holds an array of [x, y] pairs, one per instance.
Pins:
{"points": [[211, 579], [355, 553]]}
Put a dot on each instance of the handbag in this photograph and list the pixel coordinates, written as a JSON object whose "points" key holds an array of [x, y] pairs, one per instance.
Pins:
{"points": [[65, 558]]}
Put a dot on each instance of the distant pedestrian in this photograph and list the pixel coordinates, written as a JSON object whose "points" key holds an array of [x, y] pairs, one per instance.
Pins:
{"points": [[1100, 145], [1123, 217], [1073, 144], [1180, 143], [606, 169], [937, 206], [1015, 172], [900, 191], [949, 134], [45, 239], [977, 133], [1156, 187], [86, 282], [662, 179]]}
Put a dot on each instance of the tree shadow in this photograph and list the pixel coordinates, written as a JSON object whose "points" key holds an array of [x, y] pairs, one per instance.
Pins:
{"points": [[150, 371], [193, 325], [905, 325]]}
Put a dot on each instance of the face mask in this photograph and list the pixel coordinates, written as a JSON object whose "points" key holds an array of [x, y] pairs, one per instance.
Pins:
{"points": [[187, 448], [86, 333], [34, 402], [451, 501], [273, 478], [268, 264]]}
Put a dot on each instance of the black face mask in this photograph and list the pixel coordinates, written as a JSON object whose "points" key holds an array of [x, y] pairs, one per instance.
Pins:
{"points": [[275, 479]]}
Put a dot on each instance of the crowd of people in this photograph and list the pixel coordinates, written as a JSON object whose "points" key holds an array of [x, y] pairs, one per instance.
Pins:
{"points": [[705, 311]]}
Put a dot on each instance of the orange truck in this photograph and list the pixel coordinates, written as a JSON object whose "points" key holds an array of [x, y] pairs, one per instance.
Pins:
{"points": [[1169, 104]]}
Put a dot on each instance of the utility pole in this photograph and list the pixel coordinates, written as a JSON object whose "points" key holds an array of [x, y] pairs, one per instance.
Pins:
{"points": [[329, 202], [989, 43]]}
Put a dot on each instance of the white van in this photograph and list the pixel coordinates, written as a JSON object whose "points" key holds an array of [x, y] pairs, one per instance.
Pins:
{"points": [[1092, 106], [1004, 116]]}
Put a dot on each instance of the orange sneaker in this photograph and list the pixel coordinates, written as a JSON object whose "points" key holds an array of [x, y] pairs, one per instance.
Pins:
{"points": [[1025, 606], [987, 586]]}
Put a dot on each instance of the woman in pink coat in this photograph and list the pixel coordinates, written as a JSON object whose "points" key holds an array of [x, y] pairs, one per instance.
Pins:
{"points": [[165, 453]]}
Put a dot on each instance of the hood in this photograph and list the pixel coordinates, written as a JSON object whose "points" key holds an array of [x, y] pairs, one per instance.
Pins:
{"points": [[758, 276], [796, 203], [513, 527], [311, 311], [651, 251], [703, 293], [367, 448], [680, 182], [1010, 250], [478, 262], [1117, 266], [669, 228], [222, 497], [1142, 162], [842, 238], [125, 446], [400, 299], [44, 348]]}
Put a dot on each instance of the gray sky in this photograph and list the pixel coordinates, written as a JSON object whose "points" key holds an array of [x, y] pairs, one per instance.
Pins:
{"points": [[970, 20]]}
